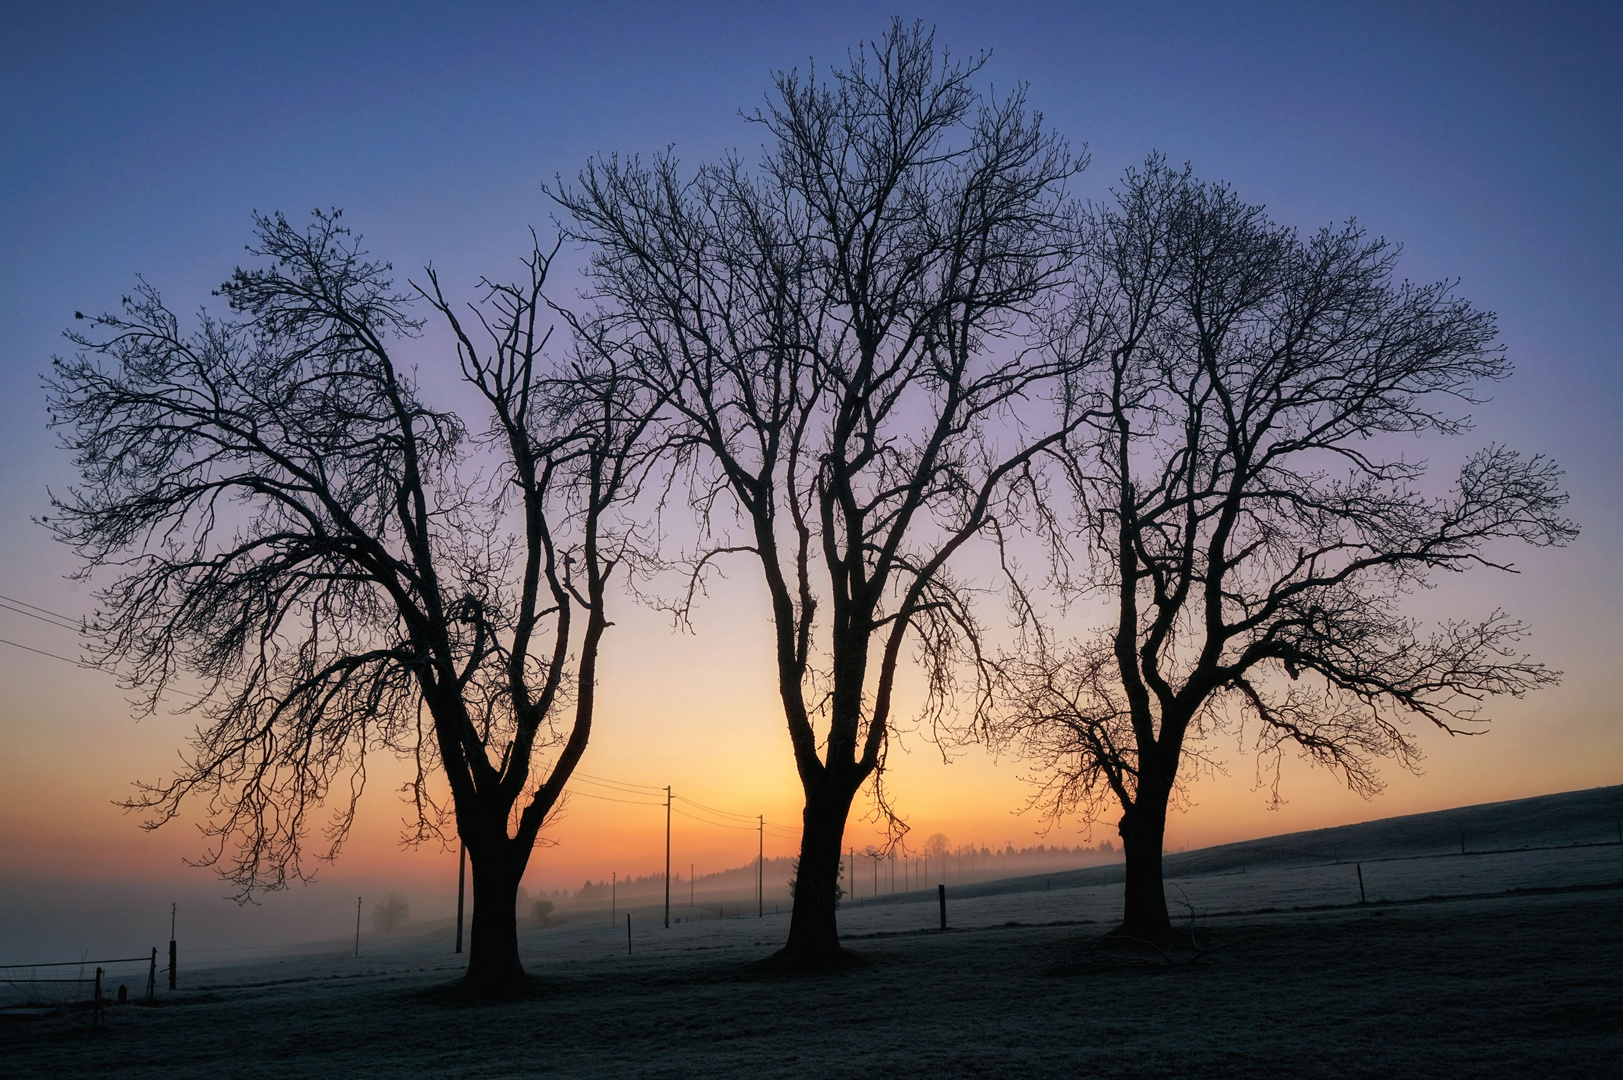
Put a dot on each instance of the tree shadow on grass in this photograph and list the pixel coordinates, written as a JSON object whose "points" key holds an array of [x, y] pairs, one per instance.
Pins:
{"points": [[1116, 951], [459, 992], [785, 963]]}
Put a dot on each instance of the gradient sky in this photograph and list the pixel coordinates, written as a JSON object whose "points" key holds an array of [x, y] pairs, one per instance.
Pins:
{"points": [[137, 139]]}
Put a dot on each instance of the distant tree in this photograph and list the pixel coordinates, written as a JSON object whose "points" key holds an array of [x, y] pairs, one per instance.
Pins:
{"points": [[324, 567], [1250, 522], [938, 845], [541, 911], [844, 339], [390, 913]]}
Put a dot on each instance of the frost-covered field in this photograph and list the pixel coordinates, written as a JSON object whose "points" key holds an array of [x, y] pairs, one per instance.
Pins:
{"points": [[1499, 985]]}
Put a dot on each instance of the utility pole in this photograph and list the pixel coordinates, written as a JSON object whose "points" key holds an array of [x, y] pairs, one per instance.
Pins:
{"points": [[614, 884], [171, 946], [357, 928], [461, 891], [667, 856], [760, 866], [690, 887]]}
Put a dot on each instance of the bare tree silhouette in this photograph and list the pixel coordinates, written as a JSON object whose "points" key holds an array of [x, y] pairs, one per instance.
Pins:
{"points": [[843, 338], [1253, 535], [390, 913], [324, 567]]}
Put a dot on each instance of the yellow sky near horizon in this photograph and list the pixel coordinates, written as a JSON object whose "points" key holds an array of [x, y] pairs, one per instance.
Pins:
{"points": [[699, 711]]}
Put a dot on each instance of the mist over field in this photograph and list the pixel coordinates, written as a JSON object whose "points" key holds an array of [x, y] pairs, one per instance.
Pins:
{"points": [[44, 919], [1349, 924]]}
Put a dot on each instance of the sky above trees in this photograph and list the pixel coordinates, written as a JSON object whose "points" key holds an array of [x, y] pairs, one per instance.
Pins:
{"points": [[1485, 141]]}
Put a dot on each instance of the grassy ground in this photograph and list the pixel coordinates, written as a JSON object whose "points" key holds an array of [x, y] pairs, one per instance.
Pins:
{"points": [[1516, 986]]}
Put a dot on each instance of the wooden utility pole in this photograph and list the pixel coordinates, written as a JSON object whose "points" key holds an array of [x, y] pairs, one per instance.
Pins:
{"points": [[171, 946], [667, 856], [614, 887], [357, 927], [760, 866], [461, 891], [690, 887]]}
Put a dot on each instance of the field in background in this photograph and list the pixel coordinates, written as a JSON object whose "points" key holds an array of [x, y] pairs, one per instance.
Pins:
{"points": [[1491, 963], [1316, 868], [1515, 985]]}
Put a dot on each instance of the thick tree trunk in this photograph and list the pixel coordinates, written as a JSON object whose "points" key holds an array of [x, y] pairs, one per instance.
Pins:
{"points": [[493, 963], [814, 936], [1143, 831]]}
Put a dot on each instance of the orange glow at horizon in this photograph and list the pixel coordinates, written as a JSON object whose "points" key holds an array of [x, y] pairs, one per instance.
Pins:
{"points": [[699, 711]]}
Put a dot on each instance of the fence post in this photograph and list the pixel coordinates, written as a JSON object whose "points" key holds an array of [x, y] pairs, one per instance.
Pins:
{"points": [[941, 894], [1360, 867], [171, 963], [152, 977]]}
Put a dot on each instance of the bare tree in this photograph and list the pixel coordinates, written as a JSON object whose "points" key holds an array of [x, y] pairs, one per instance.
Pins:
{"points": [[1249, 522], [325, 567], [390, 913], [844, 340]]}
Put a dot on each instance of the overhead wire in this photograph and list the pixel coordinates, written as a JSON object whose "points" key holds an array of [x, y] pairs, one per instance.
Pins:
{"points": [[622, 785], [605, 798], [721, 813], [48, 620], [732, 819], [36, 607], [52, 655], [715, 824]]}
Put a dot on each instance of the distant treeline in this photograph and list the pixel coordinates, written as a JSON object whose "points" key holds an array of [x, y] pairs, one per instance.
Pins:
{"points": [[900, 872]]}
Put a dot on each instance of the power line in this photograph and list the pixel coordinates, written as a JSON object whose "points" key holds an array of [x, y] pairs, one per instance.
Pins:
{"points": [[48, 620], [716, 824], [605, 798], [641, 788], [36, 607], [713, 810], [52, 655], [739, 817]]}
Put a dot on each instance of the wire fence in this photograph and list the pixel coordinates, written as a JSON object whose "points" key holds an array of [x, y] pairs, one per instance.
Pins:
{"points": [[77, 984]]}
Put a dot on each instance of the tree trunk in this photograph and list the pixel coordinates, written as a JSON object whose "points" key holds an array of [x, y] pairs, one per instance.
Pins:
{"points": [[1143, 831], [493, 963], [814, 936]]}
